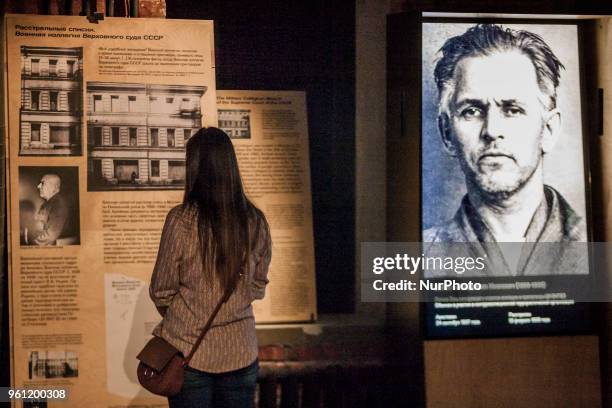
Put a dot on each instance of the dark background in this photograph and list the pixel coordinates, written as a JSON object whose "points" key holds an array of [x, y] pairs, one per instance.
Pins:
{"points": [[309, 46]]}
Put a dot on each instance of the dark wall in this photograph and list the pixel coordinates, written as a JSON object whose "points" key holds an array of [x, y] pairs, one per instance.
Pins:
{"points": [[309, 46], [572, 7]]}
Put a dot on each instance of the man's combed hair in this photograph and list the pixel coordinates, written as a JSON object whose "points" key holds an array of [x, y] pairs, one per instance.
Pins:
{"points": [[487, 39]]}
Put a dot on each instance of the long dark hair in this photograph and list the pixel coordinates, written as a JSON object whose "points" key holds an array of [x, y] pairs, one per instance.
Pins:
{"points": [[213, 184]]}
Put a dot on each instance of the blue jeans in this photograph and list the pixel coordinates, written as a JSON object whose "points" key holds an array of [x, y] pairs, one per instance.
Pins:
{"points": [[232, 389]]}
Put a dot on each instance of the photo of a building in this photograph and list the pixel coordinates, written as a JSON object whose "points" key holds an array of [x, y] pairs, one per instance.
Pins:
{"points": [[51, 101], [137, 134], [45, 364], [235, 122]]}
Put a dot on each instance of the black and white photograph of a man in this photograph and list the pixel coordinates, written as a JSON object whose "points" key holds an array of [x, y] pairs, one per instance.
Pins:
{"points": [[502, 139], [49, 206]]}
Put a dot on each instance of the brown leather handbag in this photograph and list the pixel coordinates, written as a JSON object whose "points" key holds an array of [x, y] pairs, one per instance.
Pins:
{"points": [[162, 366]]}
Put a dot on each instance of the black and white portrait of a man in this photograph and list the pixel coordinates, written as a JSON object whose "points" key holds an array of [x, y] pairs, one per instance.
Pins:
{"points": [[49, 206], [502, 138]]}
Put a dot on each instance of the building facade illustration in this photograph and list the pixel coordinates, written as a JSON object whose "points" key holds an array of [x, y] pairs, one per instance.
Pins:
{"points": [[235, 122], [137, 134], [51, 101]]}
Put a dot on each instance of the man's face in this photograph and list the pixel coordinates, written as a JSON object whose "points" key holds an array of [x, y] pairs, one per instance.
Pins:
{"points": [[496, 121], [47, 187]]}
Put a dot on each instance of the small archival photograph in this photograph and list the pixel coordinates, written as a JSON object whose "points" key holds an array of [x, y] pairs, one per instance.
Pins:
{"points": [[51, 109], [45, 364], [49, 206], [235, 122], [136, 134]]}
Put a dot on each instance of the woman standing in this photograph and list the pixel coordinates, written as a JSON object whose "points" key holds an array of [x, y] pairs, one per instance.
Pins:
{"points": [[215, 241]]}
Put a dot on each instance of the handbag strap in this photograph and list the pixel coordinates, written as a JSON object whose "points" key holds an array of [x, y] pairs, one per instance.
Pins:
{"points": [[212, 316], [225, 298]]}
